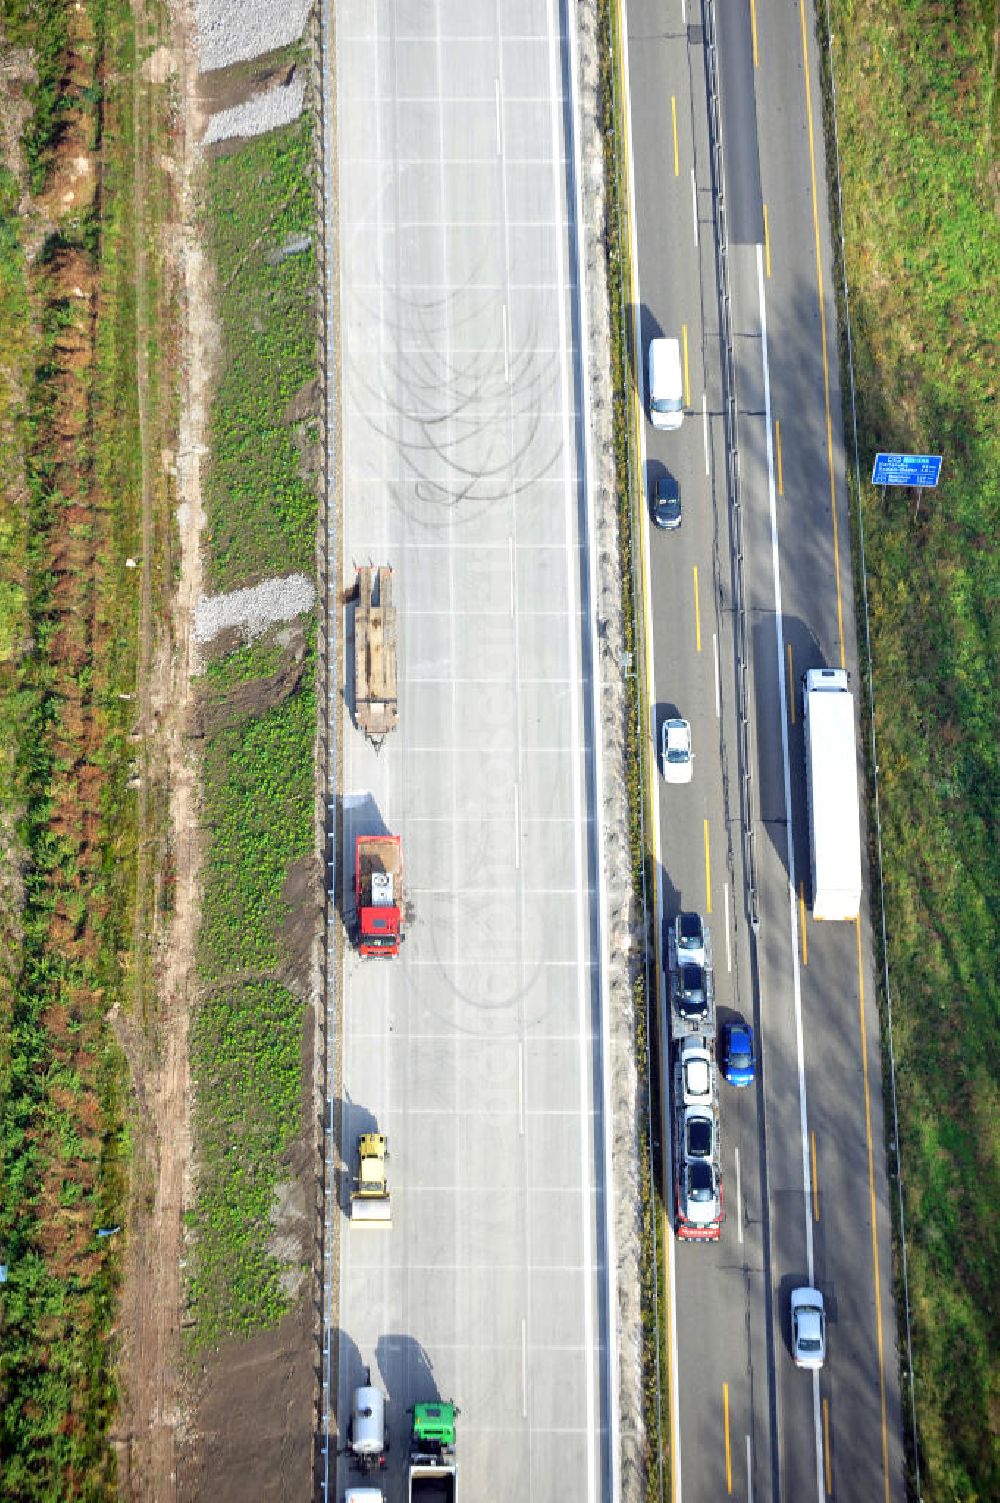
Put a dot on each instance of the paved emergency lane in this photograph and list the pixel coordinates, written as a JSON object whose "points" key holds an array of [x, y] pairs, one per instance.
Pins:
{"points": [[478, 1050]]}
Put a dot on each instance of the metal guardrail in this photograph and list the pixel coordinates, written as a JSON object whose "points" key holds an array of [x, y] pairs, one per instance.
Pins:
{"points": [[743, 717]]}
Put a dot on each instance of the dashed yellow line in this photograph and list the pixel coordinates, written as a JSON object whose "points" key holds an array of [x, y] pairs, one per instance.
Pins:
{"points": [[687, 383], [826, 1447], [697, 613], [753, 25], [725, 1426], [822, 328], [802, 923], [767, 245], [673, 112], [791, 683], [777, 449], [815, 1180]]}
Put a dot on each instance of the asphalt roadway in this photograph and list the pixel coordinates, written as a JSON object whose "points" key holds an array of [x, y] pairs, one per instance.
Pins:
{"points": [[803, 1153], [478, 1050]]}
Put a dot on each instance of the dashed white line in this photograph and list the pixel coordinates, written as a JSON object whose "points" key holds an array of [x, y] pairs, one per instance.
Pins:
{"points": [[506, 350], [510, 553], [739, 1198], [524, 1372], [496, 88], [729, 942], [718, 692], [704, 420], [517, 827], [749, 1472], [520, 1089], [694, 207]]}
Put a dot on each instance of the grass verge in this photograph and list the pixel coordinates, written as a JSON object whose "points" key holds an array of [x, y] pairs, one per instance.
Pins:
{"points": [[259, 716], [914, 102]]}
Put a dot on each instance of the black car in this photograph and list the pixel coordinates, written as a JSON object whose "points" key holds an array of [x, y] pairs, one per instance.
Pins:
{"points": [[666, 507], [692, 995]]}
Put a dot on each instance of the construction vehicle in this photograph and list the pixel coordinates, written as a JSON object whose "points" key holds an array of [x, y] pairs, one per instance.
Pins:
{"points": [[370, 1195], [367, 1439], [691, 986], [376, 707], [432, 1473], [378, 893], [832, 787]]}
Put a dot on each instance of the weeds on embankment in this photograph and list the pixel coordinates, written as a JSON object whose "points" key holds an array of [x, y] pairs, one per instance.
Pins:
{"points": [[919, 172]]}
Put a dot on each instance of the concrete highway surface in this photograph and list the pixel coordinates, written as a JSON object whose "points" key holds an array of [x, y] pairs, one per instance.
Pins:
{"points": [[478, 1050], [803, 1151]]}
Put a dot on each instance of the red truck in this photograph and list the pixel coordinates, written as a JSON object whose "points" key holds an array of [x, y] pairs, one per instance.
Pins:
{"points": [[378, 893]]}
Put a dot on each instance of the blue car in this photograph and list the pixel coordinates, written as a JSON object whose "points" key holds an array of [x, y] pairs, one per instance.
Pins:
{"points": [[738, 1062]]}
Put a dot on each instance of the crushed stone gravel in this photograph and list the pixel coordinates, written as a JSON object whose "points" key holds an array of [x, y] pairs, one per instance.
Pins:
{"points": [[254, 609], [255, 117], [230, 31]]}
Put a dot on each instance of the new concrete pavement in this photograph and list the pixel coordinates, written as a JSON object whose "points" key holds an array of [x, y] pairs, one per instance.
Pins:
{"points": [[479, 1050]]}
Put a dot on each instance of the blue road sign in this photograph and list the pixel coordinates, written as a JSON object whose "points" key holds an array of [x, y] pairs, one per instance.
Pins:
{"points": [[906, 469]]}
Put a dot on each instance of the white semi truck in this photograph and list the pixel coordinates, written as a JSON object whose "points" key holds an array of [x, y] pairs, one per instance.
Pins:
{"points": [[832, 787]]}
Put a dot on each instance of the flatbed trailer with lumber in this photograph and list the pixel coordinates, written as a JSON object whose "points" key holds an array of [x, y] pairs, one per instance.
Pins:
{"points": [[376, 704]]}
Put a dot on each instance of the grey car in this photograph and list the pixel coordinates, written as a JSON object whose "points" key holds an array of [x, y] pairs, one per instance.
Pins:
{"points": [[666, 506]]}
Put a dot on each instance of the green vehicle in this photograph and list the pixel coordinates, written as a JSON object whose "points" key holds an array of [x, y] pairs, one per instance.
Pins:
{"points": [[432, 1454]]}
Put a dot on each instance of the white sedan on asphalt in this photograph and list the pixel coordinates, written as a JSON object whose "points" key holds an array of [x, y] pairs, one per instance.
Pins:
{"points": [[808, 1328], [676, 758]]}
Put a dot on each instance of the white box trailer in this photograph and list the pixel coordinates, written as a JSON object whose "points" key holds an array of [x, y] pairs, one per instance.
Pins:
{"points": [[832, 789]]}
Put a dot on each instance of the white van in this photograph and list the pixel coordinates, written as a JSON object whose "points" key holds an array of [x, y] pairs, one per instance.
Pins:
{"points": [[666, 383]]}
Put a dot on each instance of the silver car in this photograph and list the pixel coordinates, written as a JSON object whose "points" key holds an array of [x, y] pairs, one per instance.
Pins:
{"points": [[808, 1328]]}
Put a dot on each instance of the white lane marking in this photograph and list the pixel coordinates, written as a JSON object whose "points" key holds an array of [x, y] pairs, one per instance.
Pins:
{"points": [[524, 1372], [684, 19], [517, 827], [729, 942], [506, 349], [739, 1198], [749, 1472], [510, 552], [520, 1088], [496, 88], [704, 420], [792, 917], [694, 207], [567, 388], [718, 687]]}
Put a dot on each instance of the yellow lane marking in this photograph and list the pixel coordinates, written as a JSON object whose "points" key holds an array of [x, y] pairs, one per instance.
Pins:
{"points": [[753, 23], [697, 612], [871, 1197], [822, 327], [673, 111], [802, 922], [791, 688], [725, 1421], [812, 1145], [767, 245], [826, 1446], [777, 446], [687, 384]]}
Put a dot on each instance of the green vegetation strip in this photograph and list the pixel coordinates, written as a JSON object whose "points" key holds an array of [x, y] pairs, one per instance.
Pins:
{"points": [[261, 508], [258, 769], [915, 96]]}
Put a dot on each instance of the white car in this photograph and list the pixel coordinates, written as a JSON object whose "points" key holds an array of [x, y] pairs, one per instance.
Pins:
{"points": [[808, 1328], [676, 759], [696, 1073]]}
